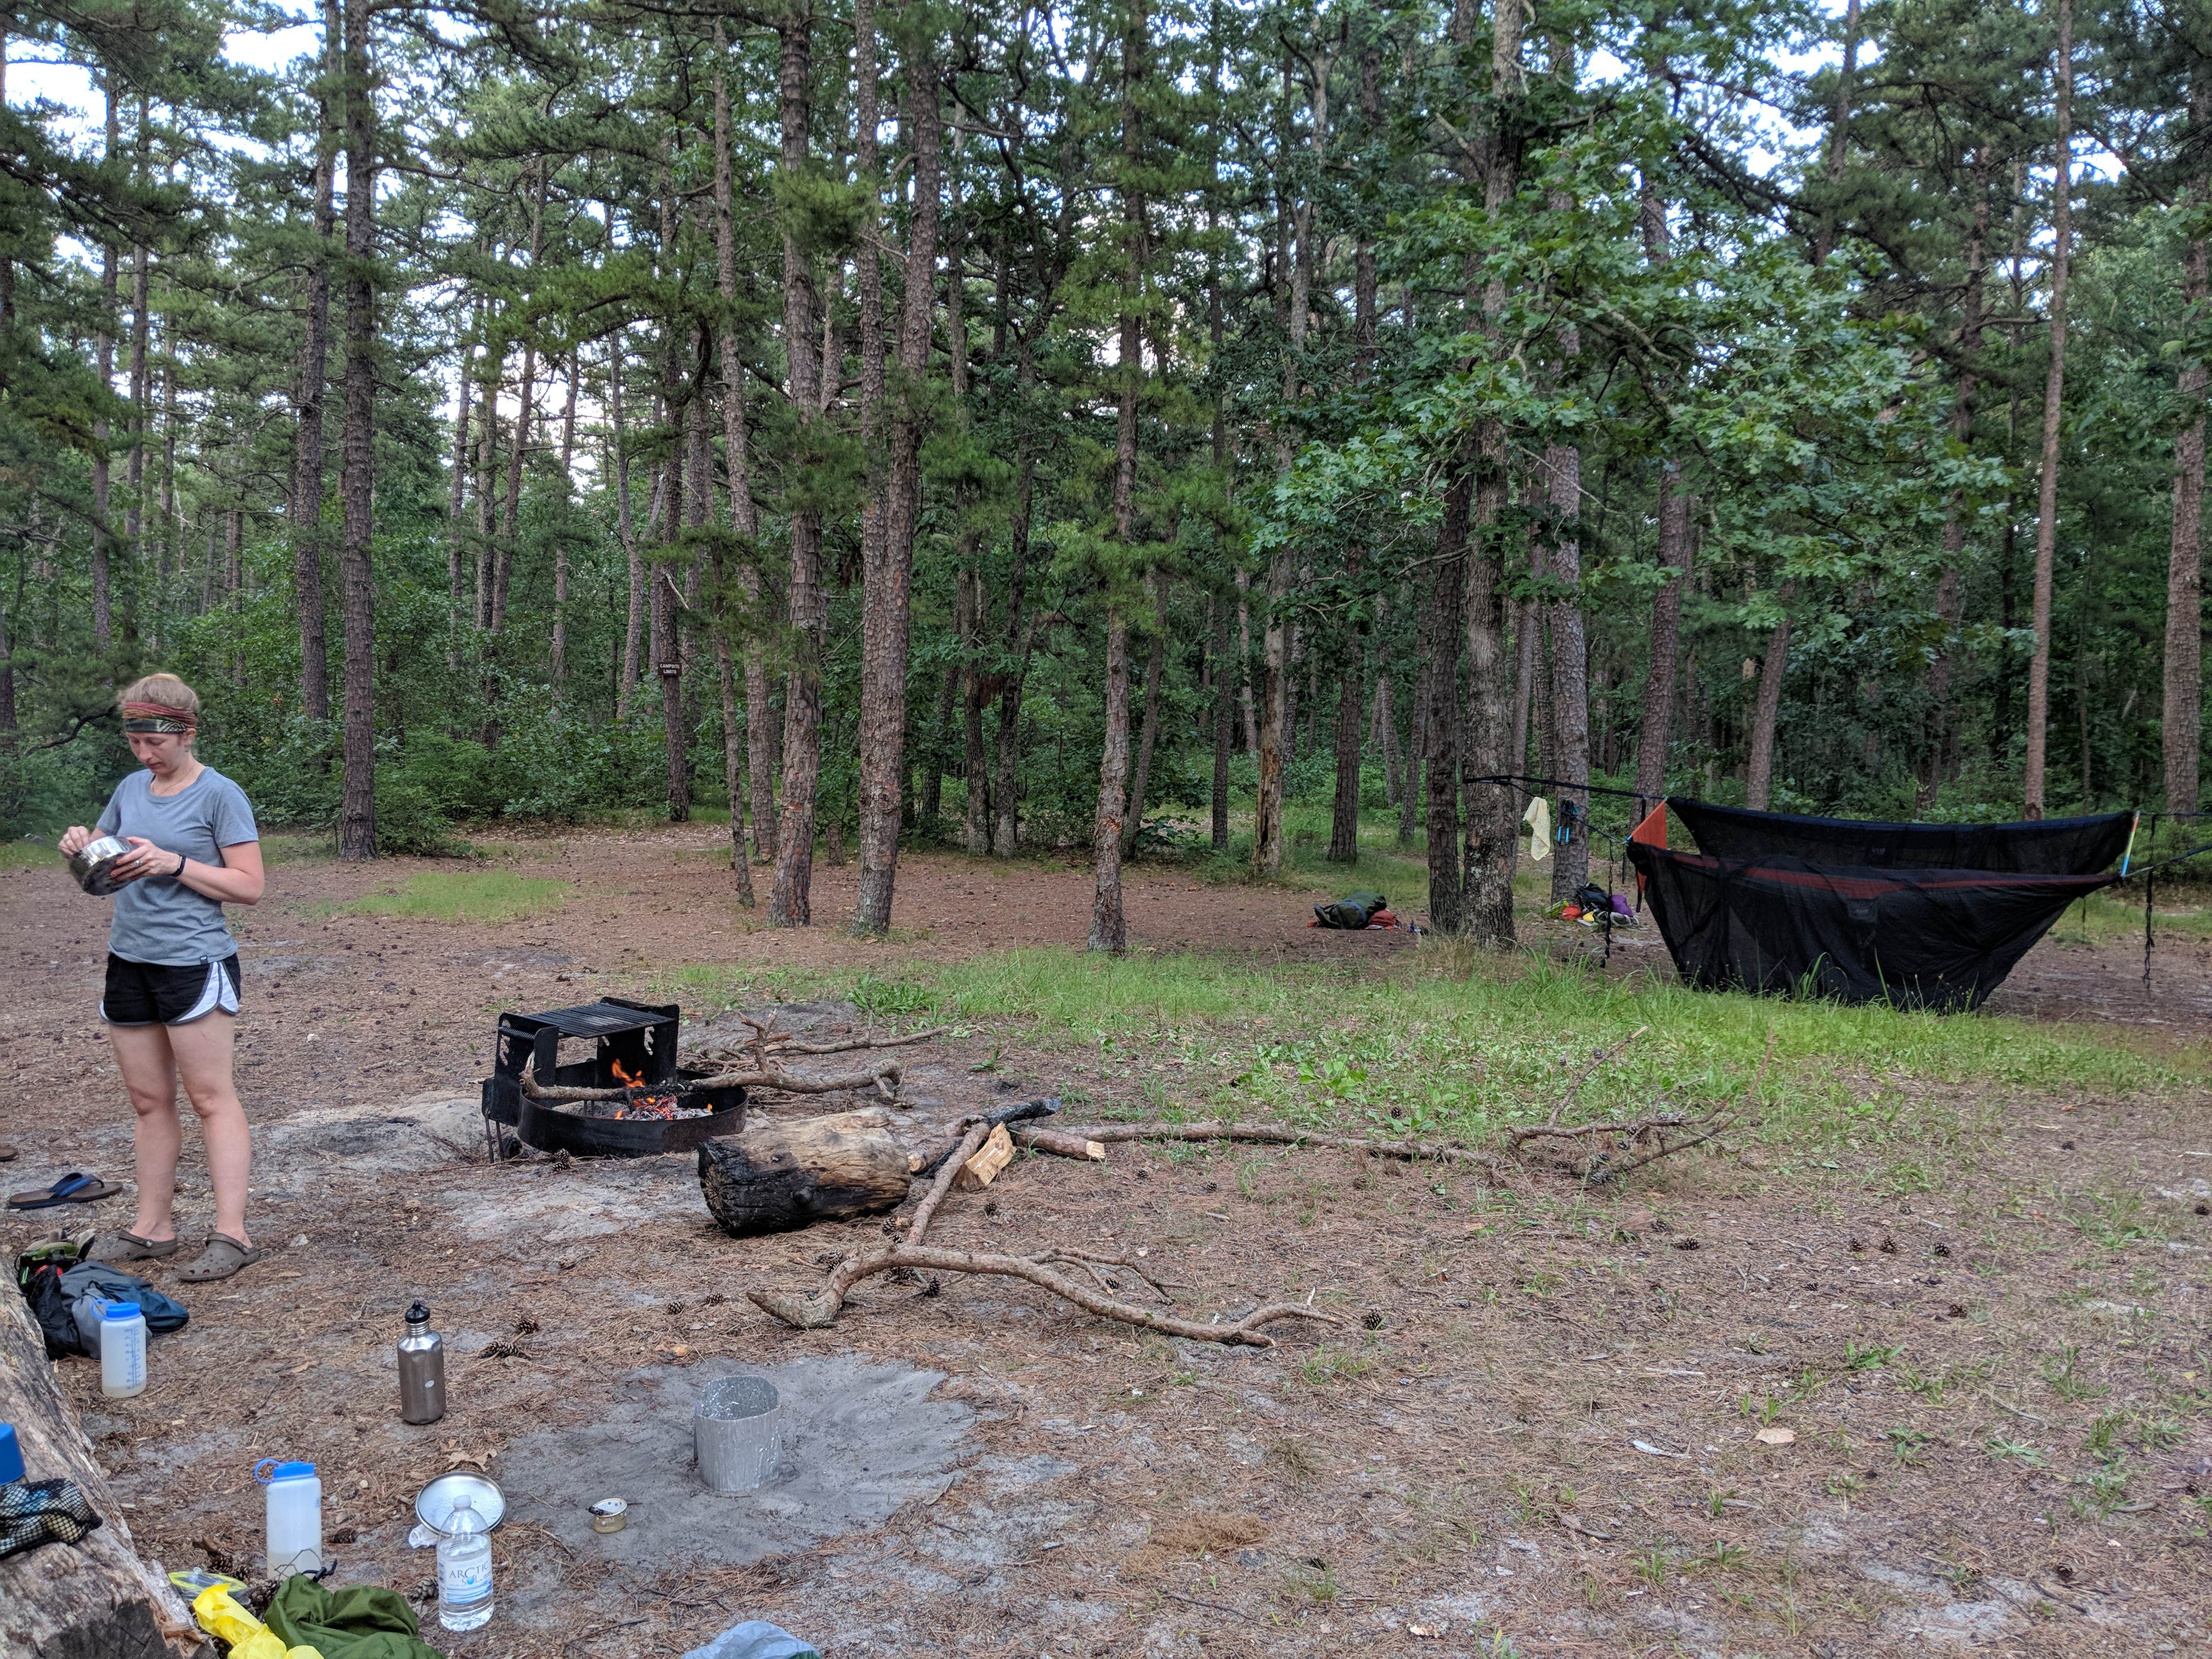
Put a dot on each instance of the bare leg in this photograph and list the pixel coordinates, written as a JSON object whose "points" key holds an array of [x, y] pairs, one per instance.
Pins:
{"points": [[149, 1072], [203, 1052]]}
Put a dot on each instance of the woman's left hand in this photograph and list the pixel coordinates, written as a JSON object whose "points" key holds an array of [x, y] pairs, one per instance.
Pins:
{"points": [[145, 858]]}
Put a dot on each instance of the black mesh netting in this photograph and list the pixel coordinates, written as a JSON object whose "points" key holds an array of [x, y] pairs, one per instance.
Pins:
{"points": [[2051, 847], [1756, 911]]}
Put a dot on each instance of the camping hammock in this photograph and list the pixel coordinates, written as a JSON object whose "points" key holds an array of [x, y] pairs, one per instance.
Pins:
{"points": [[1922, 915]]}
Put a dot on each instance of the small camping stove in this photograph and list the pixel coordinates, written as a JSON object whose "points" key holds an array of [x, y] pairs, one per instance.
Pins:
{"points": [[634, 1047]]}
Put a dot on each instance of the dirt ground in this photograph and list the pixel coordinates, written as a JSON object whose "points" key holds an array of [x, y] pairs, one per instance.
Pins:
{"points": [[1533, 1431]]}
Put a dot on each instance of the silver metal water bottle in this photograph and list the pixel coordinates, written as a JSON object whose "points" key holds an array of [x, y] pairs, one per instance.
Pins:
{"points": [[422, 1368]]}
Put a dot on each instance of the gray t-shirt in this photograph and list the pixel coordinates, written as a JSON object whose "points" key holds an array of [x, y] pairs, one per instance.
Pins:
{"points": [[159, 920]]}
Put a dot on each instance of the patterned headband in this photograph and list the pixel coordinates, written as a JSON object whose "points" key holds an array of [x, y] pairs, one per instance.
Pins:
{"points": [[157, 718]]}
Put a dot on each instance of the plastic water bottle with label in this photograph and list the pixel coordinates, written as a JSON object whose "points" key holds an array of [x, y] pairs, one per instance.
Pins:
{"points": [[122, 1350], [464, 1570]]}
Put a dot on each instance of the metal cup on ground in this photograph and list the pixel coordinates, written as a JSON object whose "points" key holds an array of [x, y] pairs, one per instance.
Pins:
{"points": [[737, 1433]]}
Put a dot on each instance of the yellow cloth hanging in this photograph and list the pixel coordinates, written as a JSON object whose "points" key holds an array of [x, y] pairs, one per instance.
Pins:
{"points": [[1538, 819]]}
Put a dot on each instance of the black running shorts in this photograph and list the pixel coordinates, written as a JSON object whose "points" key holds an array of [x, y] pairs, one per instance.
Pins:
{"points": [[148, 993]]}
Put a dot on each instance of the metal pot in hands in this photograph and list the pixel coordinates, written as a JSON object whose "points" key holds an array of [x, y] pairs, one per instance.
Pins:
{"points": [[93, 863]]}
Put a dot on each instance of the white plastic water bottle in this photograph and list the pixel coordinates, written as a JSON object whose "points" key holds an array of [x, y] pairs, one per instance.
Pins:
{"points": [[464, 1570], [294, 1516], [122, 1350]]}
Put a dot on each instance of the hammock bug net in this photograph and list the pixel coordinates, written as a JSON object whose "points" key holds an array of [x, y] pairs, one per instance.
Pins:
{"points": [[1922, 915]]}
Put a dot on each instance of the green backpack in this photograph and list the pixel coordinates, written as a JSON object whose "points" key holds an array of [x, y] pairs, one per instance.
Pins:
{"points": [[1352, 911]]}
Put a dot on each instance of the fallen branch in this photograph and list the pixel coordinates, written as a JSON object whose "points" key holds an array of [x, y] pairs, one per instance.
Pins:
{"points": [[883, 1075], [1577, 1148], [1281, 1135], [821, 1308], [767, 1037], [947, 1169]]}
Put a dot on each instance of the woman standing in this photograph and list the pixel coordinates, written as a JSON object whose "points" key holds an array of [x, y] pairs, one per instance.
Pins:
{"points": [[171, 995]]}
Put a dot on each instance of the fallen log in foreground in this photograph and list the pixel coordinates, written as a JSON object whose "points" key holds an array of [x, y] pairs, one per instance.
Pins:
{"points": [[777, 1176], [94, 1598]]}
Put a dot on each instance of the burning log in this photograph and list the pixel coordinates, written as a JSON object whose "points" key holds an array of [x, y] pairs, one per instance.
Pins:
{"points": [[883, 1075], [778, 1176]]}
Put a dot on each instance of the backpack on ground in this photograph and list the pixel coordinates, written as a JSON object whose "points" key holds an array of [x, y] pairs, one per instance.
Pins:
{"points": [[1351, 912]]}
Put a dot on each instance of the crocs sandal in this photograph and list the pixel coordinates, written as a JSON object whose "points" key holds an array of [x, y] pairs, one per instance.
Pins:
{"points": [[129, 1247], [75, 1187], [223, 1256]]}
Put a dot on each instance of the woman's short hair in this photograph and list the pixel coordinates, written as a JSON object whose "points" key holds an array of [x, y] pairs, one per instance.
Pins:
{"points": [[160, 703]]}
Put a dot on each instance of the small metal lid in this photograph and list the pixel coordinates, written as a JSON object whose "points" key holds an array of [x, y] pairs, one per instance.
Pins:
{"points": [[435, 1503]]}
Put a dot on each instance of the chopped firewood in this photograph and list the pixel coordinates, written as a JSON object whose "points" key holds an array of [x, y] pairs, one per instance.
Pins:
{"points": [[980, 1170], [1060, 1144]]}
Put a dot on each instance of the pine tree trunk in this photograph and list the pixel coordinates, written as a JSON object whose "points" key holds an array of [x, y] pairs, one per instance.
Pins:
{"points": [[1493, 815], [1224, 721], [667, 646], [1440, 723], [744, 523], [1941, 717], [1350, 710], [308, 445], [1274, 700], [1244, 662], [890, 579], [356, 482], [1411, 796], [556, 654], [1156, 671], [1569, 662], [307, 450], [976, 760], [634, 621], [2183, 703], [1666, 634], [487, 480], [1486, 884], [1758, 767], [789, 900], [2054, 398], [1004, 791], [103, 359], [1109, 929], [457, 495]]}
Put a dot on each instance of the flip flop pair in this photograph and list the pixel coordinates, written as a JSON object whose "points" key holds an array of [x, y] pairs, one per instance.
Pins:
{"points": [[75, 1187]]}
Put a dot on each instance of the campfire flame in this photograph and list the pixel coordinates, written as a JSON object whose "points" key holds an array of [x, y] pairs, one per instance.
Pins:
{"points": [[651, 1105]]}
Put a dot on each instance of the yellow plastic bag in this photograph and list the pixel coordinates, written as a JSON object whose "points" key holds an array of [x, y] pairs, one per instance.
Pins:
{"points": [[220, 1616]]}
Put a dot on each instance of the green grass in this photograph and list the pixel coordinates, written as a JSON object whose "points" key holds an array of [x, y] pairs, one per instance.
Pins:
{"points": [[39, 854], [477, 896], [2116, 914], [1458, 1043]]}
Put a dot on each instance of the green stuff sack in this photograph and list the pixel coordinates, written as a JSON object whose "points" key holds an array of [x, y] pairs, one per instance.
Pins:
{"points": [[359, 1621], [1351, 912]]}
